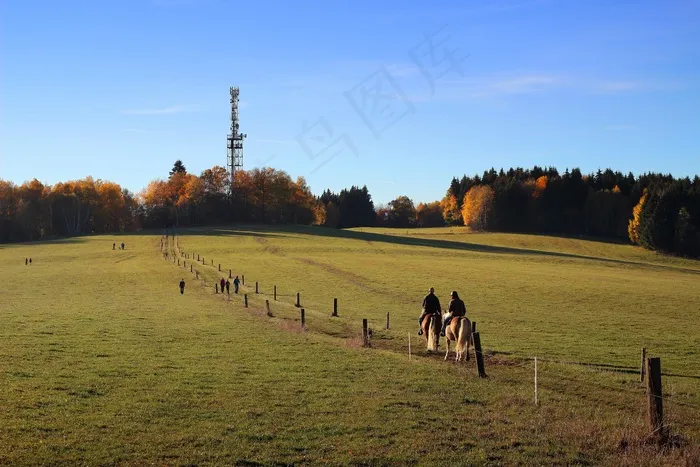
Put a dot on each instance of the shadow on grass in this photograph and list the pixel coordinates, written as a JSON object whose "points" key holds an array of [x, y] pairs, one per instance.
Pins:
{"points": [[370, 237]]}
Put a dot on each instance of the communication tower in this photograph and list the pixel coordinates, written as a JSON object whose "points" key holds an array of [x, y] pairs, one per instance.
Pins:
{"points": [[234, 140]]}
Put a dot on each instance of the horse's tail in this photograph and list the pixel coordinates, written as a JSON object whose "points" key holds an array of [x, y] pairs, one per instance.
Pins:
{"points": [[432, 331], [464, 334]]}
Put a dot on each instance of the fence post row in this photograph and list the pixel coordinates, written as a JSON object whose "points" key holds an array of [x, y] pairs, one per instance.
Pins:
{"points": [[245, 298], [303, 320], [298, 303], [256, 286], [274, 291], [335, 307], [267, 305], [641, 370], [387, 320]]}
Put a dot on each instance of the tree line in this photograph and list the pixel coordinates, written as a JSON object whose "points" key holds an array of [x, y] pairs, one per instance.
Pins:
{"points": [[656, 211]]}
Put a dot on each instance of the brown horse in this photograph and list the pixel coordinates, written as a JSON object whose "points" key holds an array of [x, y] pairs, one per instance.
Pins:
{"points": [[431, 326], [460, 331]]}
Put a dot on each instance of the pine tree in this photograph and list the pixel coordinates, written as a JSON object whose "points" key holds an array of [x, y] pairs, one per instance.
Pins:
{"points": [[178, 167]]}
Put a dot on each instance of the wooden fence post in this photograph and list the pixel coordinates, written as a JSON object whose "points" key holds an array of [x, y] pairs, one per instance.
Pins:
{"points": [[387, 320], [229, 274], [479, 355], [256, 286], [274, 288], [335, 307], [298, 303], [656, 410], [197, 256], [303, 319], [245, 299], [212, 262], [365, 338], [219, 267], [242, 279], [267, 305], [473, 327], [641, 370], [196, 274], [190, 268], [178, 261], [536, 401]]}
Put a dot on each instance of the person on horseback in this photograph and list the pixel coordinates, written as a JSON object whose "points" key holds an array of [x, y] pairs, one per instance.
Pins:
{"points": [[455, 308], [431, 305]]}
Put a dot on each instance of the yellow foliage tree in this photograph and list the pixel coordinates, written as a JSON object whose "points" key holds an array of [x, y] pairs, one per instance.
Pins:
{"points": [[450, 210], [477, 207], [633, 226]]}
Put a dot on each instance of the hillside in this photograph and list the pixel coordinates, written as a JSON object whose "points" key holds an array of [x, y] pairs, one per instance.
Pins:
{"points": [[104, 361]]}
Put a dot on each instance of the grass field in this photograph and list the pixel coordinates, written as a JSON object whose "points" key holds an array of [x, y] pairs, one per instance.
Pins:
{"points": [[102, 361]]}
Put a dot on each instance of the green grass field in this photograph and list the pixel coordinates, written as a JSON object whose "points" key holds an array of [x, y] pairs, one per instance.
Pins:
{"points": [[103, 362]]}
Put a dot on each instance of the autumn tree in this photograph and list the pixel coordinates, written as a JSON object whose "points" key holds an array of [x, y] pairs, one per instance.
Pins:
{"points": [[450, 210], [477, 208], [429, 215], [633, 228], [402, 212]]}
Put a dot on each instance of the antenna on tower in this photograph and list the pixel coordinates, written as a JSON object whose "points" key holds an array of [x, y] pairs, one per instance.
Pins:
{"points": [[234, 140]]}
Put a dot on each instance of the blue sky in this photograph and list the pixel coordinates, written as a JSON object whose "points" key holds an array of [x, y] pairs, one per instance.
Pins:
{"points": [[121, 89]]}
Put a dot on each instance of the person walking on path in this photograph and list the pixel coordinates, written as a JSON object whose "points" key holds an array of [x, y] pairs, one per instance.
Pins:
{"points": [[235, 285], [222, 282], [114, 246], [30, 261], [182, 286], [228, 287], [26, 261]]}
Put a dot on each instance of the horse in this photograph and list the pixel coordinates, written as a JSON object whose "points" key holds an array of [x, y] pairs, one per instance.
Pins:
{"points": [[460, 331], [431, 331]]}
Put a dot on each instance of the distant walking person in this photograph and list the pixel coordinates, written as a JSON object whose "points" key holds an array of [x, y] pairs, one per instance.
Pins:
{"points": [[122, 245], [114, 246], [222, 282], [182, 286], [30, 261], [235, 284], [26, 261], [228, 287]]}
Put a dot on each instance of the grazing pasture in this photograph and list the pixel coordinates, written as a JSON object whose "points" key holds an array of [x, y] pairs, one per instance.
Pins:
{"points": [[103, 361]]}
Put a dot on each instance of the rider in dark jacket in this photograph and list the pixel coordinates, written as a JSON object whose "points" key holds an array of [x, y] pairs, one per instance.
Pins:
{"points": [[456, 308], [431, 304]]}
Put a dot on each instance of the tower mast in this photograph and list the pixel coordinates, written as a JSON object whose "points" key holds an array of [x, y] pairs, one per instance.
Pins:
{"points": [[234, 140]]}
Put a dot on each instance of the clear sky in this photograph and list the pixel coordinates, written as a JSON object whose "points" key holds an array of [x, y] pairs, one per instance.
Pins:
{"points": [[406, 94]]}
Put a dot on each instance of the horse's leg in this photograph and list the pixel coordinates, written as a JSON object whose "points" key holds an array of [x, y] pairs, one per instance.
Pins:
{"points": [[447, 344]]}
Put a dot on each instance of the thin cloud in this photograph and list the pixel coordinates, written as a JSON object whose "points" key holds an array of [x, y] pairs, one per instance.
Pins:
{"points": [[174, 109], [145, 131], [275, 141], [619, 127], [618, 86]]}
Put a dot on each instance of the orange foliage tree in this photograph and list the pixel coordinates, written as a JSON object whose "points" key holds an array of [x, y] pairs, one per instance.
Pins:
{"points": [[633, 226], [477, 207]]}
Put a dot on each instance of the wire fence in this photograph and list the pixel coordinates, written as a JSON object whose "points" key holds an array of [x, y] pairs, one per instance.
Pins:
{"points": [[171, 248]]}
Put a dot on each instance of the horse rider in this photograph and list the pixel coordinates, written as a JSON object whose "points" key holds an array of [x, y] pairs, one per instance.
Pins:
{"points": [[456, 308], [431, 305]]}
